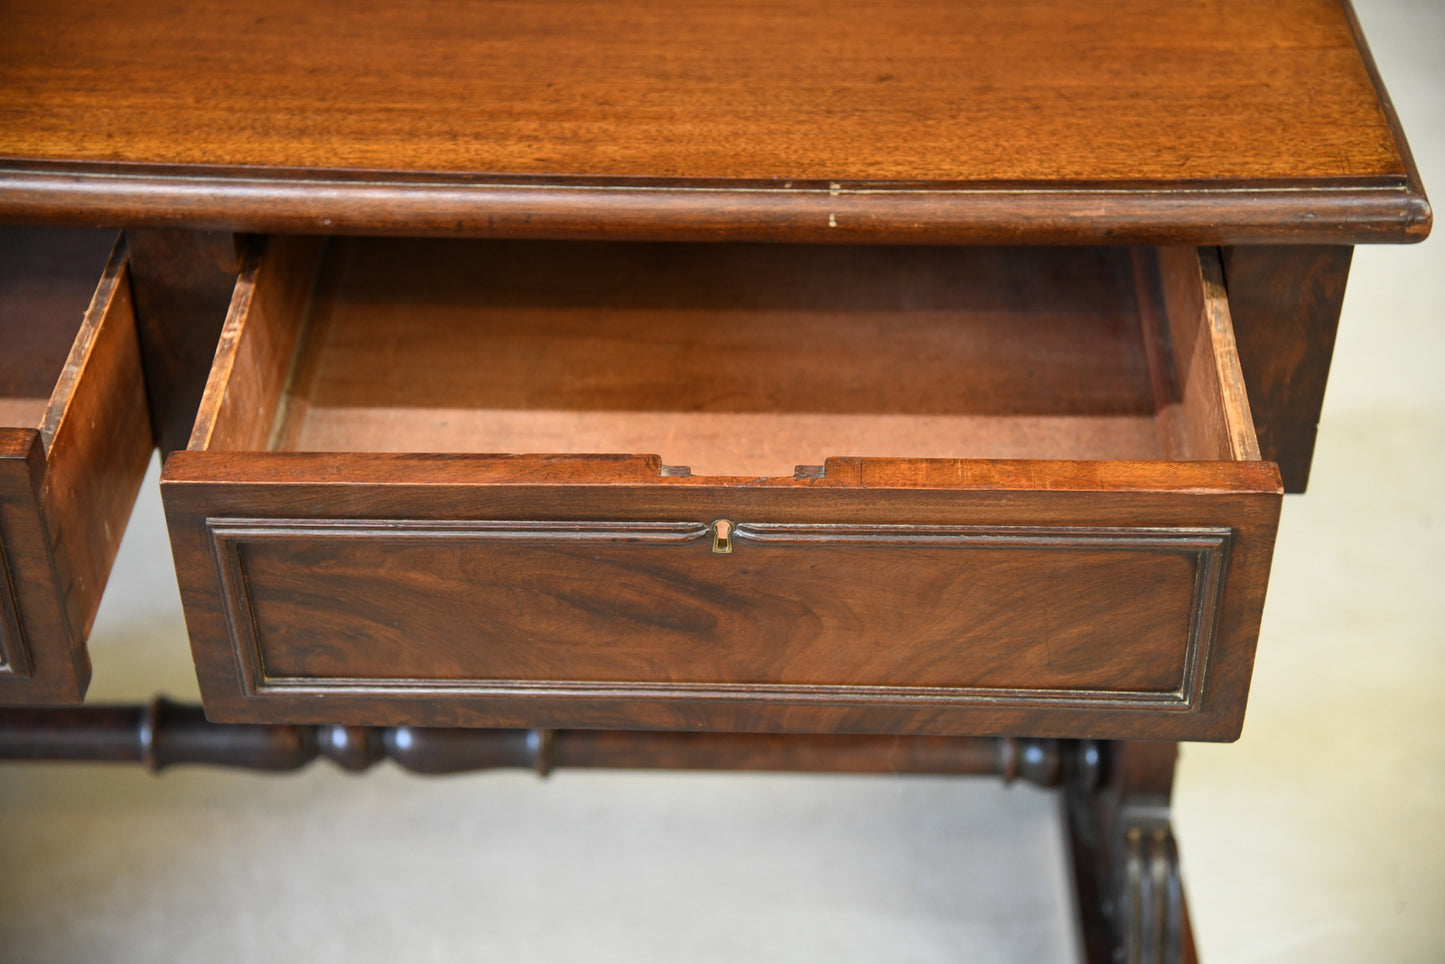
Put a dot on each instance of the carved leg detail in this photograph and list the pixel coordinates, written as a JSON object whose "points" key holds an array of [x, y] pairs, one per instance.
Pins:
{"points": [[1150, 898], [1129, 895]]}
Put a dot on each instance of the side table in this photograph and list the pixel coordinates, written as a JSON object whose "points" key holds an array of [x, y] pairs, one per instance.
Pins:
{"points": [[1033, 267]]}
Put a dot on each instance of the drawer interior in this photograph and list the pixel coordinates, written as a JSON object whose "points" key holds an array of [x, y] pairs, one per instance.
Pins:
{"points": [[731, 360], [47, 279]]}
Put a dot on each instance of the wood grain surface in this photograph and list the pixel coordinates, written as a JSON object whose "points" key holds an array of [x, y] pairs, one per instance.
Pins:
{"points": [[47, 278], [243, 395], [181, 282], [68, 478], [97, 437], [732, 360], [729, 359], [933, 594], [434, 492], [928, 613], [847, 119], [1215, 421], [858, 90], [1285, 301]]}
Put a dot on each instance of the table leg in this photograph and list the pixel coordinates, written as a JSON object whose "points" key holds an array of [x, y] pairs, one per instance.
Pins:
{"points": [[1129, 897]]}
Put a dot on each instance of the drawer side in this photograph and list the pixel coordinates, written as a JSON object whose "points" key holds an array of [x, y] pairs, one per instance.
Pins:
{"points": [[67, 484], [98, 443]]}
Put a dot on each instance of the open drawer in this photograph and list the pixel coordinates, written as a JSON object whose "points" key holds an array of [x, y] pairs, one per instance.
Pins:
{"points": [[780, 488], [75, 439]]}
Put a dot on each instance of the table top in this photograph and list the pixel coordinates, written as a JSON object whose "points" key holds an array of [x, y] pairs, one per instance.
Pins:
{"points": [[932, 120]]}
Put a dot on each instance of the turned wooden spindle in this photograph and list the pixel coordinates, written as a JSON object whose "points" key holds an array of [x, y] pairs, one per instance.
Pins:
{"points": [[164, 734]]}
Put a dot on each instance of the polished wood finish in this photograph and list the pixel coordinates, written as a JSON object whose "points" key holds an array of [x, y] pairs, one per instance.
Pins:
{"points": [[1129, 892], [750, 90], [587, 591], [69, 473], [165, 734], [1214, 416], [325, 497], [47, 280], [740, 360], [612, 609], [98, 443], [1043, 120], [999, 122], [257, 349], [737, 360], [1286, 302], [181, 282]]}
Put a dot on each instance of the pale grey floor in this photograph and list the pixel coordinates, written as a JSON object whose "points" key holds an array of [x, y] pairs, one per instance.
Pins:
{"points": [[1317, 838]]}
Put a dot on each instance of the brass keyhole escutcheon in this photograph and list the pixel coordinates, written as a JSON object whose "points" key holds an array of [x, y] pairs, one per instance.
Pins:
{"points": [[722, 536]]}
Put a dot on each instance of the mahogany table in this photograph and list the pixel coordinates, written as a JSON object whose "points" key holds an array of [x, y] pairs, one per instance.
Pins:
{"points": [[819, 386]]}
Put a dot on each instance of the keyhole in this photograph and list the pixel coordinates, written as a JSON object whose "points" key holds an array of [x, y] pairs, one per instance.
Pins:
{"points": [[722, 536]]}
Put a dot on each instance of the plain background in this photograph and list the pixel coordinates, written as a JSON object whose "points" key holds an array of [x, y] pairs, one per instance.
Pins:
{"points": [[1316, 838]]}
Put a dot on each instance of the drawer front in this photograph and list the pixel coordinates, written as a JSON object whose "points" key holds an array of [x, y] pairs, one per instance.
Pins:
{"points": [[945, 614], [838, 606], [70, 466]]}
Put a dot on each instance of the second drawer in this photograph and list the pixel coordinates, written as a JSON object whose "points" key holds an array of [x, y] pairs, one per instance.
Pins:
{"points": [[75, 440], [781, 488]]}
